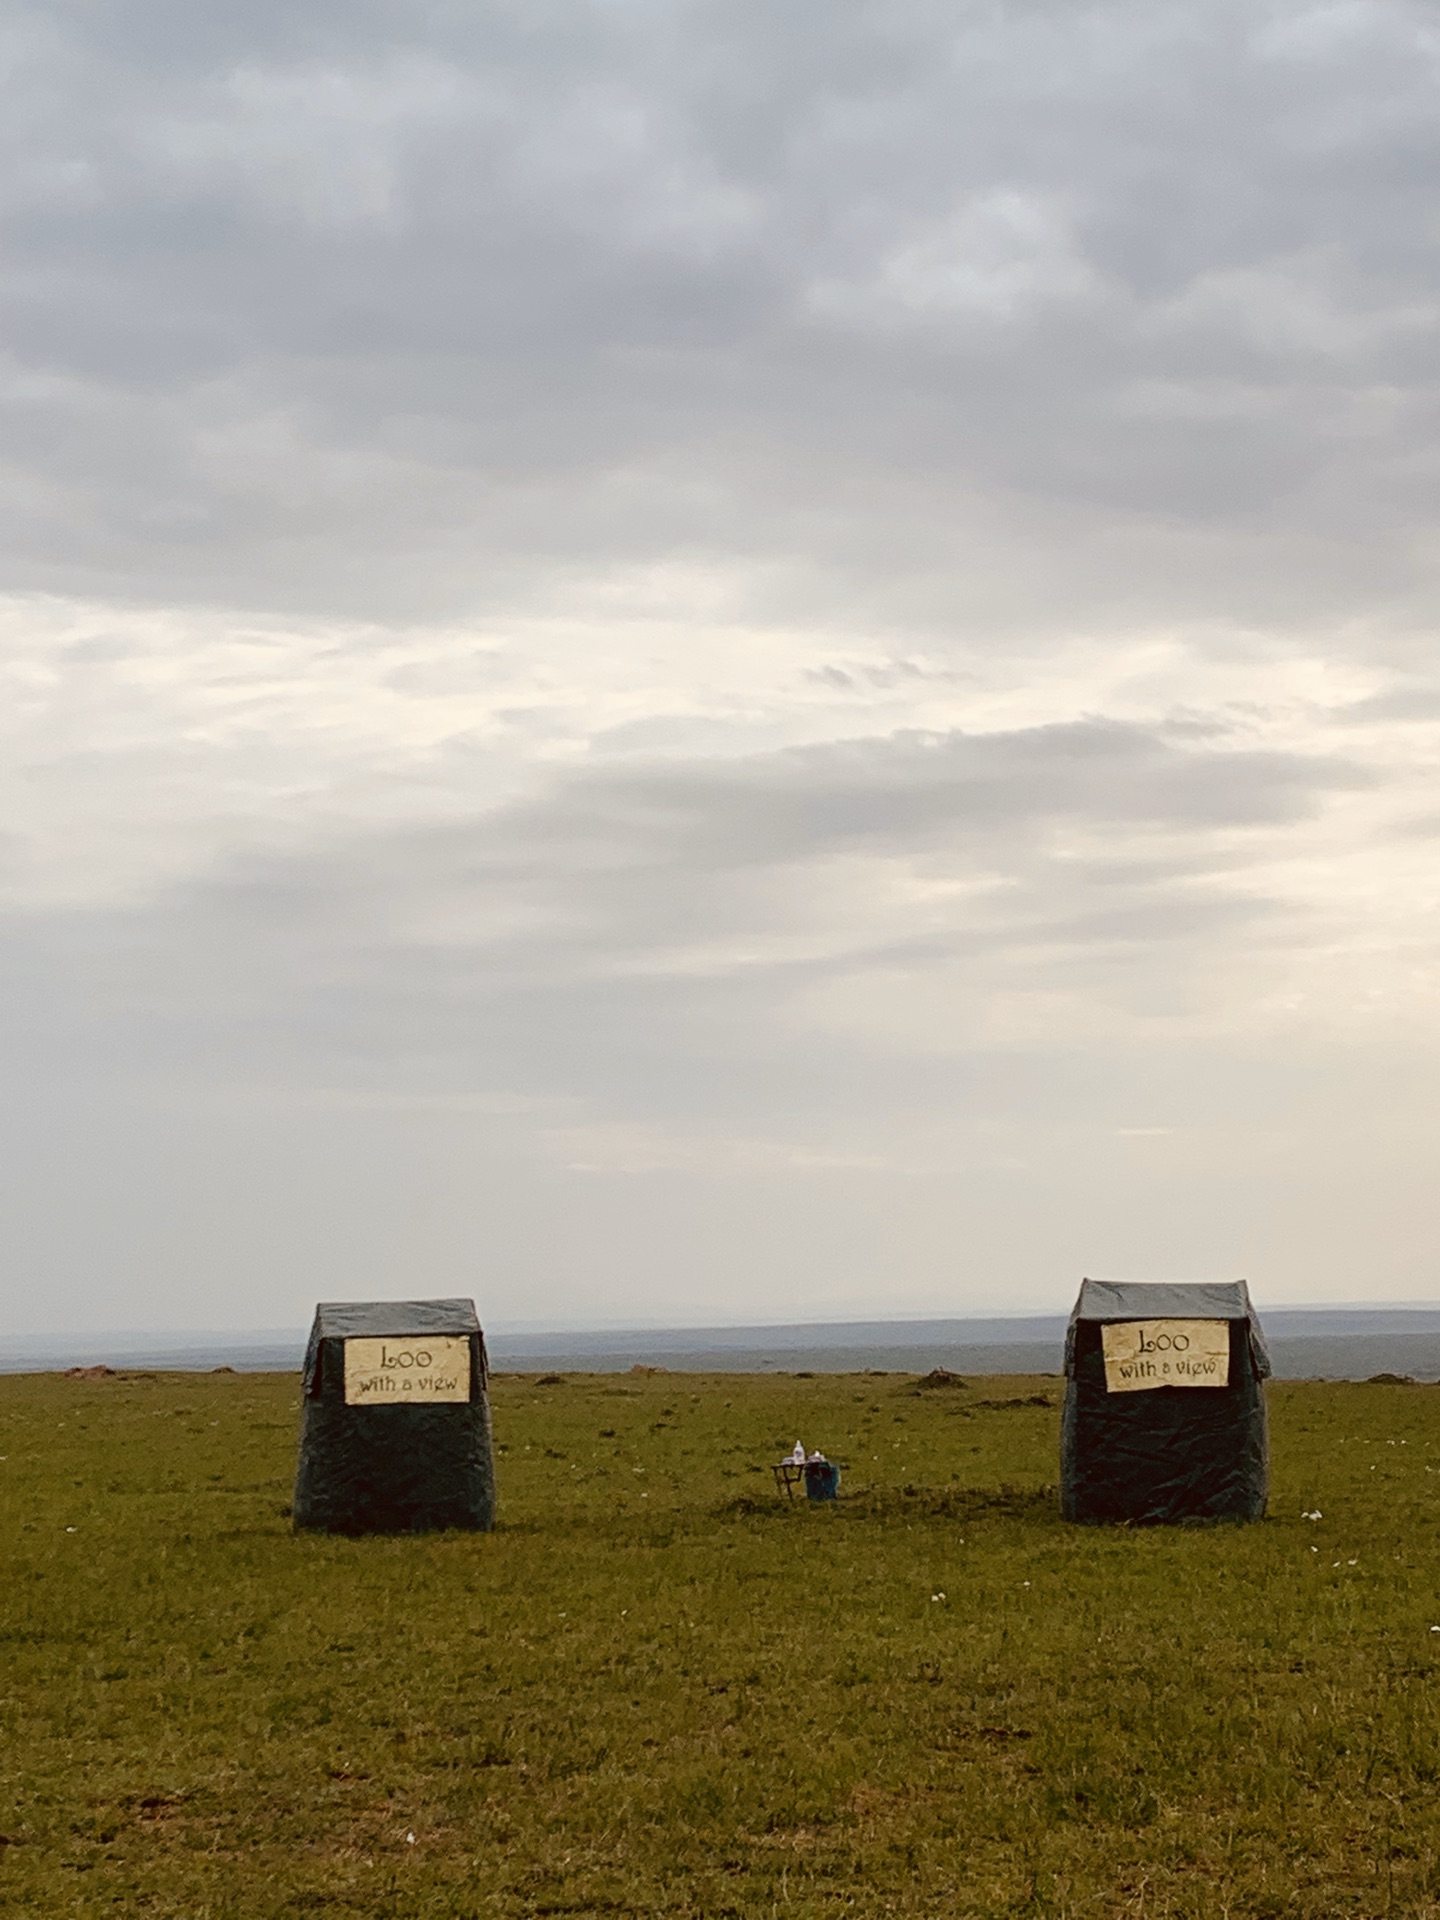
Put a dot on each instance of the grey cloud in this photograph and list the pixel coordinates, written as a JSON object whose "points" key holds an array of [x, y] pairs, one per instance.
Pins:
{"points": [[906, 787], [988, 795], [1398, 704], [400, 307], [626, 925]]}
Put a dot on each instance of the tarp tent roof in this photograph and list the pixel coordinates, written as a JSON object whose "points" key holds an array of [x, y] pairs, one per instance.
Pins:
{"points": [[1168, 1300], [385, 1320]]}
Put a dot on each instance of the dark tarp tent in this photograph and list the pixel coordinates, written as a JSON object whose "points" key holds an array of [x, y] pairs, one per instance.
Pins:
{"points": [[1164, 1415], [395, 1428]]}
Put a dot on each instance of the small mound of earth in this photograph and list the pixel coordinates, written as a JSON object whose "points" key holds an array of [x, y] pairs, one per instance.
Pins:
{"points": [[1391, 1380], [939, 1377], [89, 1373]]}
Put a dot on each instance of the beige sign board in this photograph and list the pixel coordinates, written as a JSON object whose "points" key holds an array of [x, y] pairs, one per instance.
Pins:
{"points": [[405, 1372], [1166, 1353]]}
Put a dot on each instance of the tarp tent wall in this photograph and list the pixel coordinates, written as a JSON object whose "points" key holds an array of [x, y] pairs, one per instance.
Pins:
{"points": [[1148, 1454], [395, 1423]]}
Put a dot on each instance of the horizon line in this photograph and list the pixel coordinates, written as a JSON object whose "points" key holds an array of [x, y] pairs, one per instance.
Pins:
{"points": [[504, 1329]]}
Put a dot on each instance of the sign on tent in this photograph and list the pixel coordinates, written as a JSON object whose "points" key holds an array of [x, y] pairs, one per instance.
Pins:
{"points": [[401, 1372], [1140, 1354]]}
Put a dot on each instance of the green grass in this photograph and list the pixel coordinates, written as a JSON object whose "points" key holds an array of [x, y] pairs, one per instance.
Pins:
{"points": [[656, 1690]]}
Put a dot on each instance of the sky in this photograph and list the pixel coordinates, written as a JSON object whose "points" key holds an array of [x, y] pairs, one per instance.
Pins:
{"points": [[694, 663]]}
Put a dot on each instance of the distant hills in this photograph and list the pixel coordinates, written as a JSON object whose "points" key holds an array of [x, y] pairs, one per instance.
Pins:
{"points": [[1316, 1343]]}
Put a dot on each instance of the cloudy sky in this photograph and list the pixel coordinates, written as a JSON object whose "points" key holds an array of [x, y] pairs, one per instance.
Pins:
{"points": [[694, 662]]}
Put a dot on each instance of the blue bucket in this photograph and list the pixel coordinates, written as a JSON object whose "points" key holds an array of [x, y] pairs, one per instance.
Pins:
{"points": [[822, 1480]]}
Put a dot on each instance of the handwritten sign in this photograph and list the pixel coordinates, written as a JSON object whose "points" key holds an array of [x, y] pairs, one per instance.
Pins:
{"points": [[407, 1372], [1166, 1353]]}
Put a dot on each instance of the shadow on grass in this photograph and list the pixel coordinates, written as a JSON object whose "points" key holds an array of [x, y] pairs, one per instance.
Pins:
{"points": [[910, 1503]]}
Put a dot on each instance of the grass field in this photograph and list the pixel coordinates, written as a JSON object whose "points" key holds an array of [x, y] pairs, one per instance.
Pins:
{"points": [[655, 1690]]}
